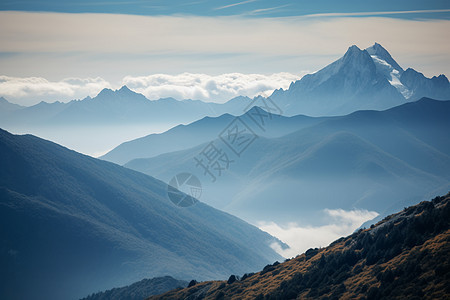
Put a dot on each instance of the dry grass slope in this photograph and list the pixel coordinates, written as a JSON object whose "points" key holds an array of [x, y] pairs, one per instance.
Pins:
{"points": [[407, 255]]}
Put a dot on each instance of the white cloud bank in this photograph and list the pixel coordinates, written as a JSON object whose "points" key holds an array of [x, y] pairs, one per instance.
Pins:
{"points": [[30, 90], [207, 87], [220, 88], [341, 223]]}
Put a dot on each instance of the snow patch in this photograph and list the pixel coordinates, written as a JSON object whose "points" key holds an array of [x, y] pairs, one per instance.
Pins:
{"points": [[393, 76]]}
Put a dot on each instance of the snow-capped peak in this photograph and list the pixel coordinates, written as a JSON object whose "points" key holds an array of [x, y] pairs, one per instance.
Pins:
{"points": [[383, 54], [392, 75], [389, 68], [352, 49]]}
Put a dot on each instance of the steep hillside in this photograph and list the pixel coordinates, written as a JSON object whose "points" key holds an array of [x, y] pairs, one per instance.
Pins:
{"points": [[405, 256], [108, 225]]}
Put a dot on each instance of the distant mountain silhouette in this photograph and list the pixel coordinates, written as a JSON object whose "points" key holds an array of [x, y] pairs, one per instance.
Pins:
{"points": [[71, 225], [8, 107], [121, 106], [405, 256], [362, 160], [96, 125], [186, 136]]}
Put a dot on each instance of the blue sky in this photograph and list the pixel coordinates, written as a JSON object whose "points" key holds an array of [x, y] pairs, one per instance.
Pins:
{"points": [[62, 50], [249, 8]]}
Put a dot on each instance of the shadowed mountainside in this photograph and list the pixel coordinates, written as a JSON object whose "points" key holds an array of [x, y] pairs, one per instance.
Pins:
{"points": [[71, 225]]}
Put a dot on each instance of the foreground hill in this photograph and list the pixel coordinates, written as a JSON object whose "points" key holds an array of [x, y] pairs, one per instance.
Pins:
{"points": [[71, 225], [140, 290], [405, 256]]}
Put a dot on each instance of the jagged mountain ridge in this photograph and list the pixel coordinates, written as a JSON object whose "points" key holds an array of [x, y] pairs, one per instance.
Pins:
{"points": [[437, 87], [381, 53], [406, 255], [361, 79]]}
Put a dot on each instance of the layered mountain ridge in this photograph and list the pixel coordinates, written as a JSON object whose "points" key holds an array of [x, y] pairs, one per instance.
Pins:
{"points": [[186, 136], [361, 79], [362, 159], [111, 107]]}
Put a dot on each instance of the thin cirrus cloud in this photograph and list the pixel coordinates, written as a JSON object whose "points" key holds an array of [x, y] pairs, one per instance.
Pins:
{"points": [[234, 4], [267, 10], [300, 238], [379, 13]]}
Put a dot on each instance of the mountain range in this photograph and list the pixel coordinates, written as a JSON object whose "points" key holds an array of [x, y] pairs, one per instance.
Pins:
{"points": [[358, 136], [206, 129], [405, 256], [121, 106], [96, 125], [359, 161], [71, 225], [360, 80]]}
